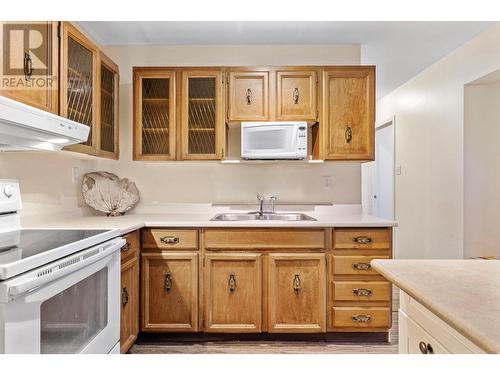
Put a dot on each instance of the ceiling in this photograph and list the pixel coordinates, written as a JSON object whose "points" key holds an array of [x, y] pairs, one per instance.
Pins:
{"points": [[400, 50]]}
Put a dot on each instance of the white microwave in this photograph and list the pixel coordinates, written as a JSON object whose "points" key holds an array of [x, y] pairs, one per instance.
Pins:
{"points": [[274, 140]]}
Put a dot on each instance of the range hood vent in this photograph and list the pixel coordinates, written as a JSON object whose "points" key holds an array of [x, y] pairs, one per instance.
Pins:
{"points": [[23, 127]]}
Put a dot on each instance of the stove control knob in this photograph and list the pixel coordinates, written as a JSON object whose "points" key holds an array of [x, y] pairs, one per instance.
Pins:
{"points": [[7, 190]]}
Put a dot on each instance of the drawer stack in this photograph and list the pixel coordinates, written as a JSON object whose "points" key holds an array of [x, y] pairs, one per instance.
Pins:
{"points": [[359, 298]]}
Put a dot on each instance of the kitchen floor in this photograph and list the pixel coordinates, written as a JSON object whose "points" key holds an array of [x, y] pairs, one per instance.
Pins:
{"points": [[354, 346]]}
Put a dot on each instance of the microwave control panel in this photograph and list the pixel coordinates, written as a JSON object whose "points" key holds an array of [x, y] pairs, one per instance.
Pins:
{"points": [[302, 141]]}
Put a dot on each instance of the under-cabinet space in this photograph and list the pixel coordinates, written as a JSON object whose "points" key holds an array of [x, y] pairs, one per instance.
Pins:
{"points": [[169, 292], [297, 293], [154, 114], [232, 292]]}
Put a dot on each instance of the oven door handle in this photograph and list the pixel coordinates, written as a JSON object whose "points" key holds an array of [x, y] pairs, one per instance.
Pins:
{"points": [[63, 267]]}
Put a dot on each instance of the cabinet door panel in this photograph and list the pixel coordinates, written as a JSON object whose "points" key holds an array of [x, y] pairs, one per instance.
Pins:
{"points": [[233, 293], [297, 293], [296, 94], [202, 124], [248, 96], [79, 82], [349, 113], [154, 114], [129, 325], [35, 84], [170, 292], [108, 115]]}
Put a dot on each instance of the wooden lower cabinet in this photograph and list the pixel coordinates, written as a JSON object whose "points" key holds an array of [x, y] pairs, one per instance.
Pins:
{"points": [[233, 292], [129, 322], [297, 293], [169, 297]]}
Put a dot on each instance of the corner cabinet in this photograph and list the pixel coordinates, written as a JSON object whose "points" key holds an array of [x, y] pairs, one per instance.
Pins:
{"points": [[349, 113], [108, 114], [79, 84], [154, 114], [202, 115], [33, 67]]}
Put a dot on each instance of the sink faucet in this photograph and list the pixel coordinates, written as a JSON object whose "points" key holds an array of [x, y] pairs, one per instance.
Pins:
{"points": [[260, 198]]}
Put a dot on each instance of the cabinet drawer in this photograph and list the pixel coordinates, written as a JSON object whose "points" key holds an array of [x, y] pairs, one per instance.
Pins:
{"points": [[375, 317], [178, 239], [265, 239], [131, 246], [354, 265], [356, 238], [362, 290]]}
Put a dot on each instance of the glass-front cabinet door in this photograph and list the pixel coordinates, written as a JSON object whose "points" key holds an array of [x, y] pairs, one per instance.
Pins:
{"points": [[154, 114], [108, 113], [79, 84], [202, 118]]}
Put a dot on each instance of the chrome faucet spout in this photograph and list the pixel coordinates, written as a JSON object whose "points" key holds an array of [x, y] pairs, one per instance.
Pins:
{"points": [[260, 198]]}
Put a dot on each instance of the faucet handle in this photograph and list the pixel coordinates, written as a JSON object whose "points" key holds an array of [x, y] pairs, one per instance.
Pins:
{"points": [[273, 198], [260, 197]]}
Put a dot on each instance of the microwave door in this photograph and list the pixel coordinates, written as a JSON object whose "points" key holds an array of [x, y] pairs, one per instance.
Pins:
{"points": [[268, 141]]}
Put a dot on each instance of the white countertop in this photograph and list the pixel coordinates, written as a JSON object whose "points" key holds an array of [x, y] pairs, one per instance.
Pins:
{"points": [[464, 293], [200, 215]]}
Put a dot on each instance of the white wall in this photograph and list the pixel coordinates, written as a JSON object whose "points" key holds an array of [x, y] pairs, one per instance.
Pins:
{"points": [[46, 178], [429, 111], [482, 169]]}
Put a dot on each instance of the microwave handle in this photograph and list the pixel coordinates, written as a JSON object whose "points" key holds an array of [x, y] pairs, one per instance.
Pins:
{"points": [[25, 284]]}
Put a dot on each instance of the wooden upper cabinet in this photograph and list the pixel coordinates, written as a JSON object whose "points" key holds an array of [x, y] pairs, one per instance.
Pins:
{"points": [[169, 292], [296, 95], [248, 96], [33, 52], [349, 113], [79, 84], [202, 117], [297, 293], [233, 292], [154, 114], [108, 114]]}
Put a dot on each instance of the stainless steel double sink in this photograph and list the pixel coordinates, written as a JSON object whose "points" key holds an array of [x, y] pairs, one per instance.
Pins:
{"points": [[264, 216]]}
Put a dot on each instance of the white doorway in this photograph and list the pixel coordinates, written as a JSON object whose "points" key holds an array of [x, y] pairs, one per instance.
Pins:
{"points": [[378, 190]]}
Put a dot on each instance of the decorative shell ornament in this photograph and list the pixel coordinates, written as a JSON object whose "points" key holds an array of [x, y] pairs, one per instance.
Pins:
{"points": [[106, 192]]}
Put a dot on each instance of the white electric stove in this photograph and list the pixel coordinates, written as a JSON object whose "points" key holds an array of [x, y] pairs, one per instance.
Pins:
{"points": [[59, 288]]}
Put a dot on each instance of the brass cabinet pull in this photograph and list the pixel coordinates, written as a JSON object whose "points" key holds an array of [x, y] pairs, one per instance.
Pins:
{"points": [[169, 240], [362, 240], [348, 134], [425, 348], [28, 66], [361, 318], [296, 283], [232, 283], [361, 292], [124, 297], [249, 96], [296, 96], [168, 282], [361, 266], [125, 247]]}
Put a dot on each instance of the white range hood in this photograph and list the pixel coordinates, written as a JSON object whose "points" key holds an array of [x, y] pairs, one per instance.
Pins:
{"points": [[24, 127]]}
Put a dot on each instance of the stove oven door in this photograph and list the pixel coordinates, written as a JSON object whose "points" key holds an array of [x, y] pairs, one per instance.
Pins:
{"points": [[74, 308]]}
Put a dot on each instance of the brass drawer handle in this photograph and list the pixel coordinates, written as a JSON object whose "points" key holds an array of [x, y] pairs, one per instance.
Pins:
{"points": [[362, 240], [28, 66], [348, 134], [124, 297], [232, 283], [361, 318], [296, 283], [361, 266], [168, 282], [169, 240], [249, 96], [425, 348], [361, 292], [296, 96], [125, 247]]}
